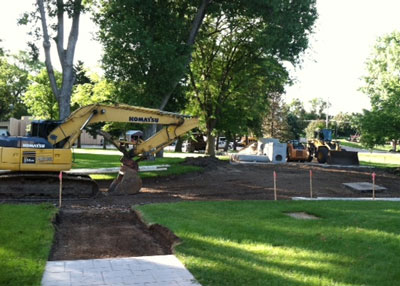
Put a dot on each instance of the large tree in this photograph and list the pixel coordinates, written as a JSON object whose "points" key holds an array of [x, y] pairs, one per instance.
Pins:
{"points": [[276, 123], [52, 16], [147, 47], [297, 117], [148, 43], [240, 55], [382, 85], [231, 75]]}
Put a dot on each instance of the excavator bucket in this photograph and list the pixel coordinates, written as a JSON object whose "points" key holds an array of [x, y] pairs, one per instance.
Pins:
{"points": [[343, 158], [128, 182]]}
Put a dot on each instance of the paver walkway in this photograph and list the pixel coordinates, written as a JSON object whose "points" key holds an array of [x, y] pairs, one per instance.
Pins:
{"points": [[161, 270]]}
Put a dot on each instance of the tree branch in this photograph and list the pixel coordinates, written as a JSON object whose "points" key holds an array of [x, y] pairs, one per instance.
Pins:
{"points": [[198, 20], [73, 35], [46, 46], [196, 90], [60, 32]]}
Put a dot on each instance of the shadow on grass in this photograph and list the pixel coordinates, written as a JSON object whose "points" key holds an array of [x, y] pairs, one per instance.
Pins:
{"points": [[255, 243]]}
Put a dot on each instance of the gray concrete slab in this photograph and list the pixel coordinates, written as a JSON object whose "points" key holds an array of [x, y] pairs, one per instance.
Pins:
{"points": [[159, 270], [345, 199], [88, 171], [364, 187]]}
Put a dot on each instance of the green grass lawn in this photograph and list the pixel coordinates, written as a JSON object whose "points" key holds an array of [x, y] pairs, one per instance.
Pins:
{"points": [[256, 243], [379, 165], [87, 160], [26, 235], [344, 142]]}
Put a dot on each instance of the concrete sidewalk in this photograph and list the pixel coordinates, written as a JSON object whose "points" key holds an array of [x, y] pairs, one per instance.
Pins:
{"points": [[162, 270]]}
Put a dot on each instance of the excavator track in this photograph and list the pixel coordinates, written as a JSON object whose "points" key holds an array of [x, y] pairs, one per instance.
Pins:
{"points": [[46, 185]]}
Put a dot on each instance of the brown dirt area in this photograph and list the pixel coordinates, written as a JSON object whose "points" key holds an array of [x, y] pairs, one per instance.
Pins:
{"points": [[104, 233], [106, 227], [223, 181]]}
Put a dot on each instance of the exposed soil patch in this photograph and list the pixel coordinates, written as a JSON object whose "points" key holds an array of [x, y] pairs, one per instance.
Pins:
{"points": [[223, 181], [302, 215], [103, 233], [209, 163]]}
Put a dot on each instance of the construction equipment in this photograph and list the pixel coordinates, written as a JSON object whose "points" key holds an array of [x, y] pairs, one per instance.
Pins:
{"points": [[329, 151], [265, 150], [297, 151], [34, 162]]}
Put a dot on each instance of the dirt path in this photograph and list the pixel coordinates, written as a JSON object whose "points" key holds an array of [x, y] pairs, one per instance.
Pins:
{"points": [[102, 233]]}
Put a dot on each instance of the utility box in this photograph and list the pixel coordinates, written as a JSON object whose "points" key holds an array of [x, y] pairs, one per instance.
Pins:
{"points": [[266, 150], [262, 143], [276, 152]]}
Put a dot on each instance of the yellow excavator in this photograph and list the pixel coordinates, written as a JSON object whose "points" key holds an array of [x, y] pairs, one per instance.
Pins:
{"points": [[31, 165]]}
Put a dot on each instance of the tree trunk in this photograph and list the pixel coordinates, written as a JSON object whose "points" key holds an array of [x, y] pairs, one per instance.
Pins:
{"points": [[198, 20], [104, 143], [394, 145], [64, 103], [178, 146], [210, 147], [226, 147], [228, 139], [79, 143], [66, 56]]}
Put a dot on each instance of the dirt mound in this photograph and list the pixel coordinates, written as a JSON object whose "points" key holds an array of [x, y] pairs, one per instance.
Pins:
{"points": [[102, 233], [394, 171], [205, 162]]}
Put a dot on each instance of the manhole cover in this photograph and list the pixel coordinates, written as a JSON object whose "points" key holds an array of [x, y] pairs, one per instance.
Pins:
{"points": [[302, 215]]}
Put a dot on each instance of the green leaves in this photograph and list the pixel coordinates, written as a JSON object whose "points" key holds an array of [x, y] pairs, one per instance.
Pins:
{"points": [[144, 43], [382, 85], [39, 98], [13, 83]]}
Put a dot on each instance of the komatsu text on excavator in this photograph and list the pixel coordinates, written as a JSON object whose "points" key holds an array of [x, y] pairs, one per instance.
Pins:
{"points": [[31, 164]]}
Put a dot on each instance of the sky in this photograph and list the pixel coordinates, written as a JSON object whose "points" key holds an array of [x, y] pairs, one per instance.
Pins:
{"points": [[345, 34], [14, 37], [332, 67]]}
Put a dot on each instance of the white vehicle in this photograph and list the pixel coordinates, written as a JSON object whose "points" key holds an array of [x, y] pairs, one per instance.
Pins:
{"points": [[222, 143]]}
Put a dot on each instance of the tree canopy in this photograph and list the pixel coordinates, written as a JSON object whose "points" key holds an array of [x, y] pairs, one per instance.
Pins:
{"points": [[237, 65], [146, 42], [382, 85]]}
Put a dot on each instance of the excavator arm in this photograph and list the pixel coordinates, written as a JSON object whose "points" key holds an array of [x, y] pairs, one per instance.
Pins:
{"points": [[174, 124]]}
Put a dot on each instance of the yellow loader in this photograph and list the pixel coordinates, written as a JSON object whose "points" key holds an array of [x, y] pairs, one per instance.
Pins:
{"points": [[329, 151]]}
